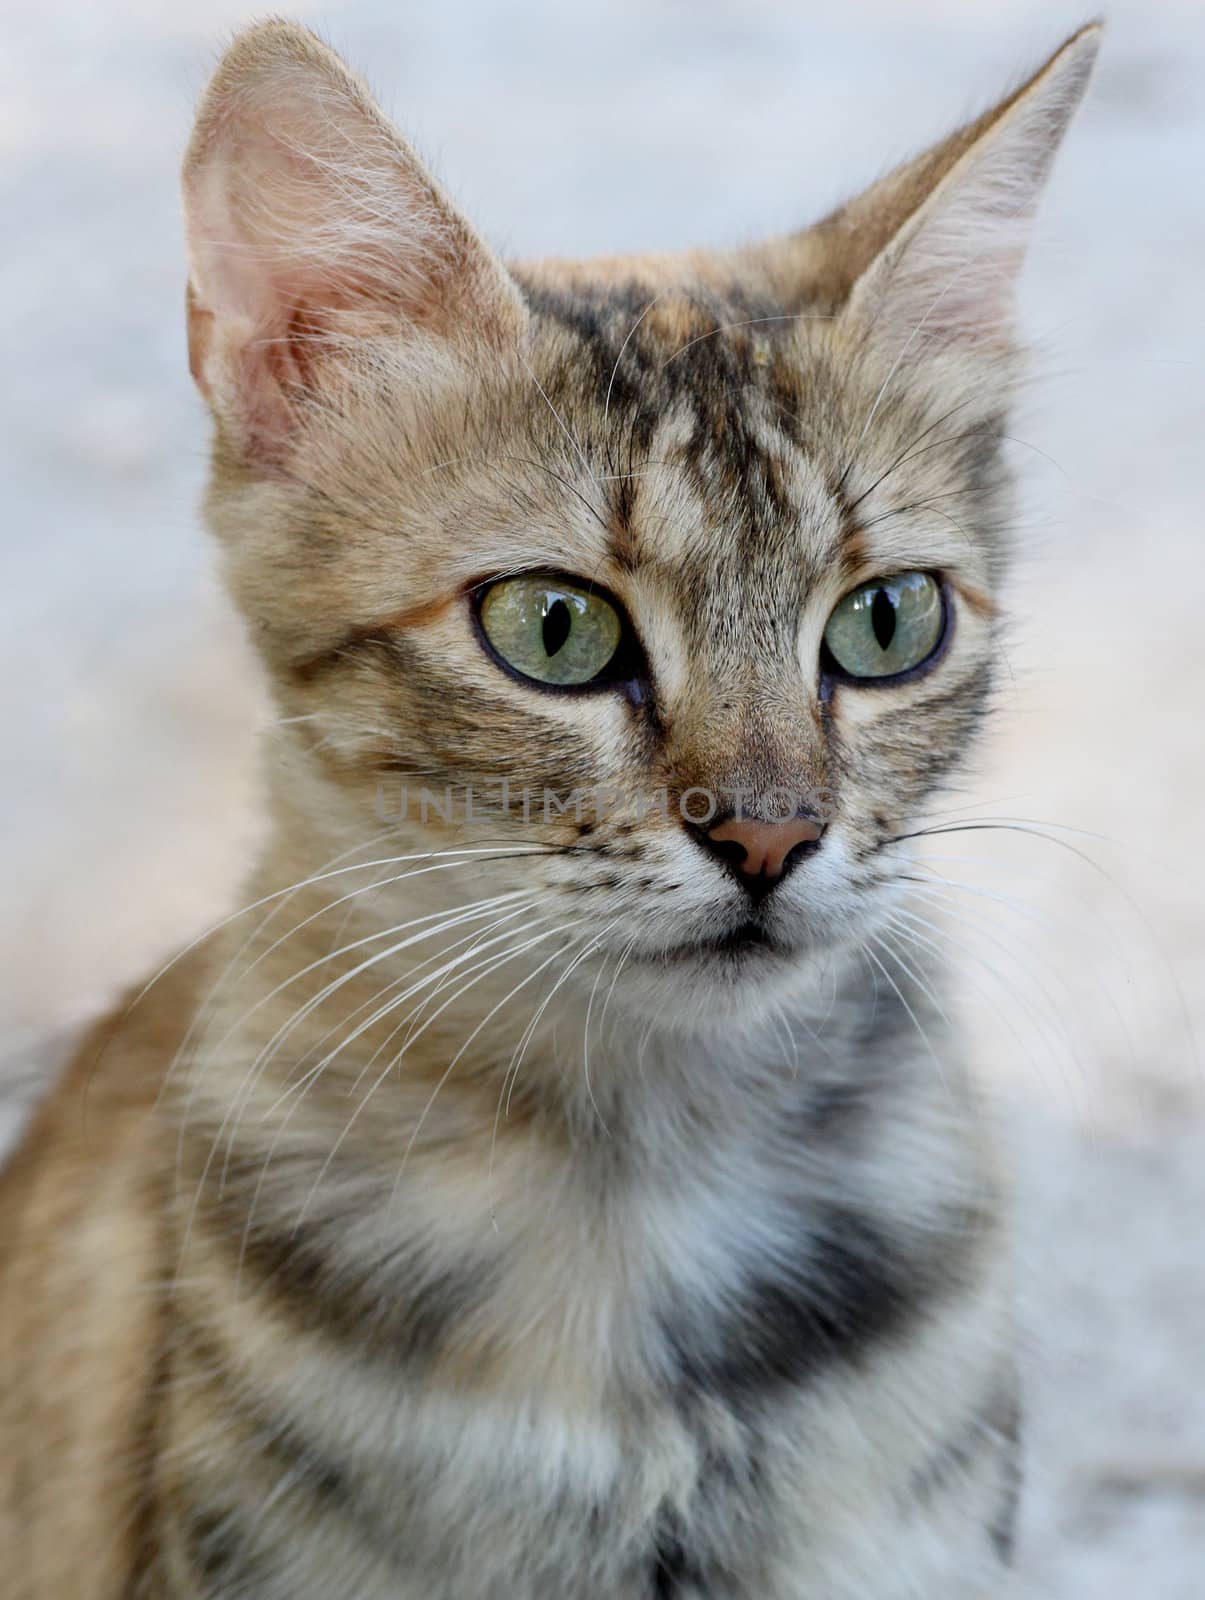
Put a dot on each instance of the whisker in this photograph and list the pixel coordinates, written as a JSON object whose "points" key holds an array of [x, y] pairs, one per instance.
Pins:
{"points": [[966, 918], [562, 425], [482, 970], [389, 1066], [900, 996], [490, 1014], [394, 983], [956, 952], [748, 322], [305, 883], [627, 340], [906, 453], [589, 1009], [238, 1102], [510, 1077], [474, 942], [451, 972], [355, 944], [205, 1010], [619, 966], [1041, 831]]}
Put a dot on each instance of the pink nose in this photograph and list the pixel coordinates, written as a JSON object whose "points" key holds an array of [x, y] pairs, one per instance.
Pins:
{"points": [[766, 844]]}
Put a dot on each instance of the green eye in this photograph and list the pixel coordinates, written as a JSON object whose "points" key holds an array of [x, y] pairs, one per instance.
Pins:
{"points": [[550, 629], [887, 627]]}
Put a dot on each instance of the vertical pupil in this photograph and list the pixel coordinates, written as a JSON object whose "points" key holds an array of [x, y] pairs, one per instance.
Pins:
{"points": [[557, 622], [882, 618]]}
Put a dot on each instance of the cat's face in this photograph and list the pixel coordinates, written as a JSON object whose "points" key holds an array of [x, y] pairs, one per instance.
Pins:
{"points": [[699, 558], [712, 502]]}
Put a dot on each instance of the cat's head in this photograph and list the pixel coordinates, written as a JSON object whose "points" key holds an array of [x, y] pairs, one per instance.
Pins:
{"points": [[698, 554]]}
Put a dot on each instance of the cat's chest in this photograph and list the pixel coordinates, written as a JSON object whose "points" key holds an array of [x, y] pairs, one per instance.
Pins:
{"points": [[674, 1435], [614, 1320], [620, 1375], [626, 1283]]}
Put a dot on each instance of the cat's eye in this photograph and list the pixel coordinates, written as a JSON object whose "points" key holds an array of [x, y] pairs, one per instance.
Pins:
{"points": [[887, 628], [557, 632]]}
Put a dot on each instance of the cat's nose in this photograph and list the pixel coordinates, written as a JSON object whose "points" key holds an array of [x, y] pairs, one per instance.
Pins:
{"points": [[760, 853]]}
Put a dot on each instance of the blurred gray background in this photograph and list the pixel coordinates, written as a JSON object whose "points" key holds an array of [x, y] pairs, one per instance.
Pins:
{"points": [[129, 702]]}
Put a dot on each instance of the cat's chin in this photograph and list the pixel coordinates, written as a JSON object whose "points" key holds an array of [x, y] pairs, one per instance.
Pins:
{"points": [[742, 949], [700, 984]]}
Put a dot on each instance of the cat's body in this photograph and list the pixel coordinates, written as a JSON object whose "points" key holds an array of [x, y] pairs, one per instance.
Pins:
{"points": [[691, 1281], [722, 1372]]}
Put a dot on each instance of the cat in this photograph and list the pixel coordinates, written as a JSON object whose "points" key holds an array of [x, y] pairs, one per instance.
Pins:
{"points": [[555, 1183]]}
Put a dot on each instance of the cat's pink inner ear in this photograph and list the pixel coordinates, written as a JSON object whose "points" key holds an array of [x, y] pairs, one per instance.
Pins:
{"points": [[311, 225], [949, 270]]}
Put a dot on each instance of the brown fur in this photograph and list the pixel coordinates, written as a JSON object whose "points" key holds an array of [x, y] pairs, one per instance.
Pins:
{"points": [[81, 1312], [273, 1268]]}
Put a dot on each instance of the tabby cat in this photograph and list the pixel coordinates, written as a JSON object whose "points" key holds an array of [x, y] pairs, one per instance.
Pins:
{"points": [[557, 1183]]}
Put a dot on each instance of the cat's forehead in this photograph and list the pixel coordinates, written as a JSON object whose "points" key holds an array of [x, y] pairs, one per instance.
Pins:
{"points": [[681, 332], [639, 348], [698, 410]]}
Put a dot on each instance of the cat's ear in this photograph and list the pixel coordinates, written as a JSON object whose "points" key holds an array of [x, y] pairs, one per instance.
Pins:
{"points": [[956, 223], [312, 223], [933, 250]]}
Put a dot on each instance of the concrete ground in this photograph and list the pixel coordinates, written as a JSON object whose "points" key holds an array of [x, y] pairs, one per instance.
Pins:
{"points": [[129, 706]]}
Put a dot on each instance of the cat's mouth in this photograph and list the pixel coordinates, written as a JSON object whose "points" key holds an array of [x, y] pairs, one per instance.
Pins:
{"points": [[746, 942]]}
